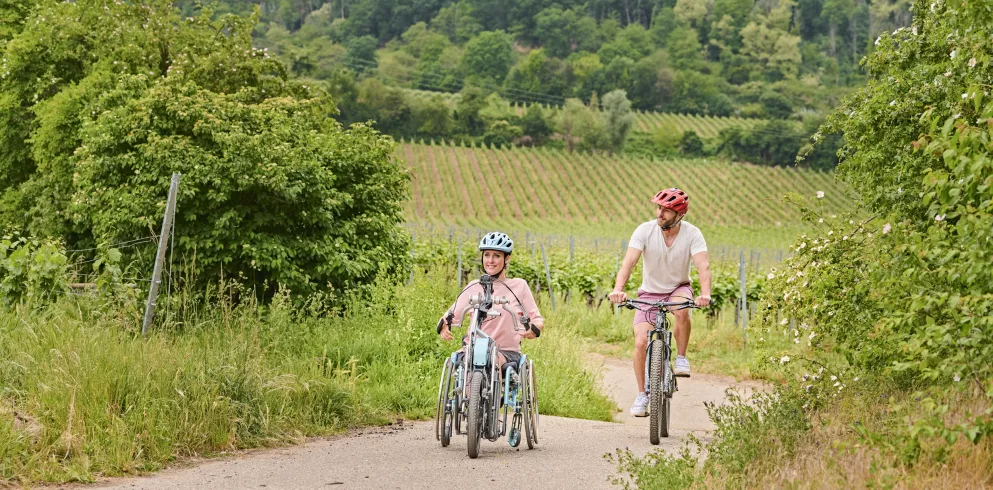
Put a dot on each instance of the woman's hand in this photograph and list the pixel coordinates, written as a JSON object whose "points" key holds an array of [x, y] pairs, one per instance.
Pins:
{"points": [[526, 334], [617, 296], [446, 332]]}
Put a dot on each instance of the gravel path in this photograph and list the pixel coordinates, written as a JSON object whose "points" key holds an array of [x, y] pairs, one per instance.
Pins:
{"points": [[569, 456]]}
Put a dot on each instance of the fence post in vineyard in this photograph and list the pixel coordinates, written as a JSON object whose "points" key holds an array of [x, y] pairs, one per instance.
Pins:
{"points": [[548, 275], [413, 238], [744, 298], [153, 290], [572, 246], [617, 269], [459, 276]]}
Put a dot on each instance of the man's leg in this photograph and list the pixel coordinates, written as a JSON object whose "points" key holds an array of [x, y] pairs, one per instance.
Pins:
{"points": [[640, 406], [682, 331], [640, 348]]}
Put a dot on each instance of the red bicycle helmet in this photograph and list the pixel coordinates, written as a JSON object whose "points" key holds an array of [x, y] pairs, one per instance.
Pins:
{"points": [[674, 199]]}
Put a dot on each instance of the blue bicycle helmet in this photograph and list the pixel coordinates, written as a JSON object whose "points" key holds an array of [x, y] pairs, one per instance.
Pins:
{"points": [[497, 241]]}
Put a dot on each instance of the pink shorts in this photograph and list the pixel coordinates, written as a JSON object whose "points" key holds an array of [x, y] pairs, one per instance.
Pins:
{"points": [[683, 291]]}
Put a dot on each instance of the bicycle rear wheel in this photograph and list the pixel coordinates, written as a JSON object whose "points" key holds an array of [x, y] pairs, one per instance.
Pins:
{"points": [[655, 395]]}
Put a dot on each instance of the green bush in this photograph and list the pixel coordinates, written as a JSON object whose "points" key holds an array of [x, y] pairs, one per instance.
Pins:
{"points": [[31, 271]]}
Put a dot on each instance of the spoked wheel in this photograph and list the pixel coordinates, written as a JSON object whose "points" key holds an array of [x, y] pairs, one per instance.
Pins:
{"points": [[475, 423], [443, 415], [667, 390], [655, 394], [530, 409]]}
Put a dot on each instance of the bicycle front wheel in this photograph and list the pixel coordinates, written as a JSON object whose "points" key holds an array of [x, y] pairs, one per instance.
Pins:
{"points": [[655, 396]]}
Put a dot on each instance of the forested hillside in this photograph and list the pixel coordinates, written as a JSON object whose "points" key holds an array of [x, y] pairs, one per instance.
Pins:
{"points": [[780, 60]]}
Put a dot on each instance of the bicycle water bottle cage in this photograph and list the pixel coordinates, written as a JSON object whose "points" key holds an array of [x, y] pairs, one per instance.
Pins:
{"points": [[481, 352]]}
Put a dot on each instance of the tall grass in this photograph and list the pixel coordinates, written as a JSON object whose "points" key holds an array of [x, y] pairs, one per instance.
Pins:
{"points": [[84, 395]]}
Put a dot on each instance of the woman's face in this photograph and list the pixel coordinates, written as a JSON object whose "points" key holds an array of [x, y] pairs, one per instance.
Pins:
{"points": [[493, 262]]}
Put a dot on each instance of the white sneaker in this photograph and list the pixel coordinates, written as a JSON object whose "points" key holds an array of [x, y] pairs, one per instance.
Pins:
{"points": [[640, 407], [682, 367]]}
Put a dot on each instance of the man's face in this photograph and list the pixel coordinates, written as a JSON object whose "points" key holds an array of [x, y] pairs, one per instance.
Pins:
{"points": [[666, 216]]}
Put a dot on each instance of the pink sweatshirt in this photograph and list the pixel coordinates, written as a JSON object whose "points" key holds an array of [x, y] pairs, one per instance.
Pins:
{"points": [[501, 328]]}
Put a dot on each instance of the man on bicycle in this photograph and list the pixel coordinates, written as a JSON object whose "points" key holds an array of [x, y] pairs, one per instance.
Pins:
{"points": [[496, 249], [667, 243]]}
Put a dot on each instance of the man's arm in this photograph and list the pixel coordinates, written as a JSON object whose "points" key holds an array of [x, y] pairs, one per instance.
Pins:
{"points": [[702, 263], [630, 259]]}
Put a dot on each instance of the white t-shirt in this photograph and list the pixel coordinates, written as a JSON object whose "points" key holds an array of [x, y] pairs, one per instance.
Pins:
{"points": [[665, 267]]}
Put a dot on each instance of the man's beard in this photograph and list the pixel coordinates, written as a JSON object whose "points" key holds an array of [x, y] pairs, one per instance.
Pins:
{"points": [[668, 224]]}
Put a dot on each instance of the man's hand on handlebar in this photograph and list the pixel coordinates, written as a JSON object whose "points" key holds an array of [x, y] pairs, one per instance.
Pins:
{"points": [[702, 301], [617, 296]]}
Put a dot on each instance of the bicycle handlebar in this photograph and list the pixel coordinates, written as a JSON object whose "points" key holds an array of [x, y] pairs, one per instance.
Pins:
{"points": [[632, 304]]}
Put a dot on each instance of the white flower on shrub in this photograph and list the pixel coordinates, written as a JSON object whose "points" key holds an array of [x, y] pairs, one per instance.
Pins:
{"points": [[785, 321], [972, 62], [820, 194], [771, 276], [939, 217], [784, 359], [956, 378]]}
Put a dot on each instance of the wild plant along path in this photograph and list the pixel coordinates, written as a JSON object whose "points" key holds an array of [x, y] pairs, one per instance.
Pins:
{"points": [[569, 455]]}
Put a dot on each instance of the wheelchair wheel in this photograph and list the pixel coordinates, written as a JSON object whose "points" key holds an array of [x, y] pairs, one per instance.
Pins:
{"points": [[530, 409], [443, 412]]}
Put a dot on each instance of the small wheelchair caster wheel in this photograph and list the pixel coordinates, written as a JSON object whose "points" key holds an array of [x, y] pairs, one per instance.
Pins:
{"points": [[514, 438]]}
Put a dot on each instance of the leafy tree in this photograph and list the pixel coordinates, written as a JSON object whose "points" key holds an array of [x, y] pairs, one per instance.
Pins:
{"points": [[767, 43], [432, 117], [618, 119], [489, 57], [535, 124], [471, 101], [501, 133], [685, 51], [777, 106], [690, 144], [457, 22], [274, 192], [570, 117], [362, 52]]}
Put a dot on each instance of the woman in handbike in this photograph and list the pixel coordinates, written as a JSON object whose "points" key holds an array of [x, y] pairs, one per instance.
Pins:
{"points": [[495, 249]]}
